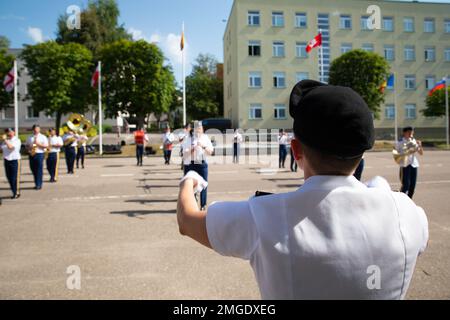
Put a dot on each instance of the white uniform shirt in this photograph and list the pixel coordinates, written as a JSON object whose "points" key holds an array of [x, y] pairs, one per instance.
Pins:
{"points": [[168, 138], [82, 140], [70, 136], [412, 159], [321, 241], [13, 154], [41, 139], [237, 137], [55, 140], [190, 144], [283, 140]]}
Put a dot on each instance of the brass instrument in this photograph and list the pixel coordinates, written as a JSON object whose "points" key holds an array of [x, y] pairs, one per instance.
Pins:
{"points": [[408, 148], [33, 148], [78, 124]]}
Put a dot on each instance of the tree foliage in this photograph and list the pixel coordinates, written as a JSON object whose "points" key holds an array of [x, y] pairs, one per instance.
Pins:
{"points": [[435, 104], [4, 43], [135, 80], [60, 77], [364, 72], [6, 64], [99, 26], [204, 89]]}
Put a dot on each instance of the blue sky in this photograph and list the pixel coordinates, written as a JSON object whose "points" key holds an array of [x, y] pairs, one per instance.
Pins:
{"points": [[31, 21]]}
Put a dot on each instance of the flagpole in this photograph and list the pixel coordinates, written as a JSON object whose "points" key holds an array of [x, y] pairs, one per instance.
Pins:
{"points": [[446, 112], [16, 101], [184, 80], [100, 111], [321, 58], [395, 109]]}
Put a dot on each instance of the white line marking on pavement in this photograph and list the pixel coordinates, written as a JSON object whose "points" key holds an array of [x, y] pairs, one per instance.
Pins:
{"points": [[117, 175]]}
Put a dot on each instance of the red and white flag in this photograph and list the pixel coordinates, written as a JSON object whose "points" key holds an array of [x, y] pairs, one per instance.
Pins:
{"points": [[316, 42], [95, 76], [9, 81]]}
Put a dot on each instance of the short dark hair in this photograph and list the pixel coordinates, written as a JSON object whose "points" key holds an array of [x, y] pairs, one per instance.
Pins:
{"points": [[406, 129], [327, 164], [8, 130], [35, 126]]}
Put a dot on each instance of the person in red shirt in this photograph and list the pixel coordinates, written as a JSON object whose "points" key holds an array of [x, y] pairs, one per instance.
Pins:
{"points": [[140, 138]]}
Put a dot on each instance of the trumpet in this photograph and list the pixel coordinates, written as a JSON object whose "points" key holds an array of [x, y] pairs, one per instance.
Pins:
{"points": [[407, 149], [33, 148]]}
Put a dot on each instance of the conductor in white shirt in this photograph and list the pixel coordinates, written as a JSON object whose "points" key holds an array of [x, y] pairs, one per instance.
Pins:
{"points": [[334, 237]]}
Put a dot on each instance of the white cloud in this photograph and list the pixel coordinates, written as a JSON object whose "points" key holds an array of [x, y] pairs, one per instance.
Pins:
{"points": [[137, 34], [35, 34]]}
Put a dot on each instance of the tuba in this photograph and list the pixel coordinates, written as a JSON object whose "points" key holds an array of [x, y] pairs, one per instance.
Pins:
{"points": [[79, 125], [407, 149]]}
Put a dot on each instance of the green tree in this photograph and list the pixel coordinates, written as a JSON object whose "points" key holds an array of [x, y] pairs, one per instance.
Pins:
{"points": [[6, 64], [4, 43], [435, 104], [60, 78], [204, 89], [364, 72], [135, 79], [99, 26]]}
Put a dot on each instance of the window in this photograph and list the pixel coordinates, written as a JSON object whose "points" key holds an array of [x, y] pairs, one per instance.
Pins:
{"points": [[278, 49], [428, 25], [255, 111], [408, 24], [8, 113], [346, 47], [299, 76], [277, 19], [253, 18], [279, 80], [254, 48], [430, 54], [430, 81], [389, 53], [31, 113], [410, 53], [447, 25], [301, 20], [389, 112], [345, 22], [300, 50], [254, 79], [365, 23], [367, 47], [447, 54], [388, 24], [410, 111], [410, 82], [279, 111]]}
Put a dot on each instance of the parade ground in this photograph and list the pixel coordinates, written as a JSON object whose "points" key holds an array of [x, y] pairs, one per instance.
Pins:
{"points": [[117, 223]]}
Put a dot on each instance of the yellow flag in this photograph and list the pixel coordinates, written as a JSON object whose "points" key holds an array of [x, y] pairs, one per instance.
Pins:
{"points": [[182, 41]]}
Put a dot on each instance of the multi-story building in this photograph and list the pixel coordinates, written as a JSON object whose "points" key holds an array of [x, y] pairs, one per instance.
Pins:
{"points": [[264, 56]]}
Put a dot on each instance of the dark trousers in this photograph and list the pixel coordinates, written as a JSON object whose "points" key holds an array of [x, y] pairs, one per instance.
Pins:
{"points": [[12, 171], [70, 158], [139, 153], [167, 156], [294, 165], [37, 168], [52, 165], [236, 151], [80, 155], [202, 170], [282, 155], [359, 170], [409, 180]]}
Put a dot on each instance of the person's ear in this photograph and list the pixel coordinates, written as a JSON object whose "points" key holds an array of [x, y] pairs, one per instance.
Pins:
{"points": [[297, 149]]}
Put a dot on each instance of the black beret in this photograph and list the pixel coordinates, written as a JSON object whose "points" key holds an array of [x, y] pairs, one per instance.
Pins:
{"points": [[8, 130], [334, 120]]}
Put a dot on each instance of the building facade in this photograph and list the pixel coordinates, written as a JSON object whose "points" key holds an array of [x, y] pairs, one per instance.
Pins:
{"points": [[264, 56]]}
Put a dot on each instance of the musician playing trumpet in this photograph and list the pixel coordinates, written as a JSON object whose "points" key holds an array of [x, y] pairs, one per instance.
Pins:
{"points": [[70, 146], [409, 147], [37, 143]]}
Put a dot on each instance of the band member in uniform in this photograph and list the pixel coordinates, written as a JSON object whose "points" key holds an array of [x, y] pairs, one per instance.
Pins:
{"points": [[11, 154], [168, 140], [82, 141], [183, 135], [55, 144], [70, 145], [237, 140], [334, 235], [294, 165], [196, 147], [140, 138], [282, 141], [37, 143], [410, 165]]}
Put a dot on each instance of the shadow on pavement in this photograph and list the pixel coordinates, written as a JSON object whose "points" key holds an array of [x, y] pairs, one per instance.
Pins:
{"points": [[146, 201], [137, 213]]}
